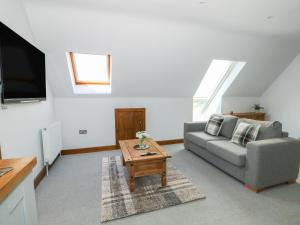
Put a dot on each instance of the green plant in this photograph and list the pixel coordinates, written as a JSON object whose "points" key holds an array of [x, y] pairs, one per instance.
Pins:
{"points": [[257, 107]]}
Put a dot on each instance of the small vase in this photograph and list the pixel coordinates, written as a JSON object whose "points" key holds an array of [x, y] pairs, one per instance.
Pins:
{"points": [[142, 143]]}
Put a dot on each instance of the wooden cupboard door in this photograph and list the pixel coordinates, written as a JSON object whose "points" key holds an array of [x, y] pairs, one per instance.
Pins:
{"points": [[128, 121], [126, 125], [139, 121]]}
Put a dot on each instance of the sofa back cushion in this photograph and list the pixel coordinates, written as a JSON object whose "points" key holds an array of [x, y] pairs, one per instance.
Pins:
{"points": [[267, 130], [228, 126]]}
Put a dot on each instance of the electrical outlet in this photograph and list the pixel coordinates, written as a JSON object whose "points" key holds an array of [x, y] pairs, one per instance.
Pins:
{"points": [[82, 131]]}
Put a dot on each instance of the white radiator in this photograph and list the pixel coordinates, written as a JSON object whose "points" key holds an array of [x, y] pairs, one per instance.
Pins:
{"points": [[52, 143]]}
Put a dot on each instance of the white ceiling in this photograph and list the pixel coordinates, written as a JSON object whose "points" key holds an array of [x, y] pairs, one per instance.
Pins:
{"points": [[272, 17], [163, 48]]}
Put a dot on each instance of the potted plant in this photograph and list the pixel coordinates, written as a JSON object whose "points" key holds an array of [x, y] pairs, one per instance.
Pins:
{"points": [[257, 107]]}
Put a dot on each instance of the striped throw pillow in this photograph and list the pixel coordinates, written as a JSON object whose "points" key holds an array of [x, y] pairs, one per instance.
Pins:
{"points": [[214, 124], [245, 133]]}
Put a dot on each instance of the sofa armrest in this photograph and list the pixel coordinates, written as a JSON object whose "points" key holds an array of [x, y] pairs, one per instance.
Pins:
{"points": [[194, 126], [273, 161]]}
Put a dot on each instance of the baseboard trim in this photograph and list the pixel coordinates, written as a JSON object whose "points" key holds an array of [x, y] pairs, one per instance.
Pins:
{"points": [[170, 142], [39, 177], [112, 147], [89, 150], [42, 174]]}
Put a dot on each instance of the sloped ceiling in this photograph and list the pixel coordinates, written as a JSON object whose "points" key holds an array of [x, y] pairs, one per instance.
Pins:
{"points": [[163, 48]]}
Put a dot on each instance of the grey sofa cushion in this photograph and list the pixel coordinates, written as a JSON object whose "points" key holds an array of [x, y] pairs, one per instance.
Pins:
{"points": [[245, 133], [214, 124], [228, 151], [201, 138], [268, 129], [228, 126]]}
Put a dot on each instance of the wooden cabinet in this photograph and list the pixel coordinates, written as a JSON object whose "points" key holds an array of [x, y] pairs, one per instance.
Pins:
{"points": [[128, 121], [249, 115]]}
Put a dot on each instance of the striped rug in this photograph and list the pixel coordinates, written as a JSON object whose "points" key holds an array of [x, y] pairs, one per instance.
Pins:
{"points": [[119, 202]]}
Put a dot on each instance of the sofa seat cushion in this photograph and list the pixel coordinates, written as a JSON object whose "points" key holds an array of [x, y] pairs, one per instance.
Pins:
{"points": [[228, 151], [201, 138]]}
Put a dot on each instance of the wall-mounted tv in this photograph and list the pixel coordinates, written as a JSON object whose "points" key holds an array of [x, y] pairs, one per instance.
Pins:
{"points": [[22, 68]]}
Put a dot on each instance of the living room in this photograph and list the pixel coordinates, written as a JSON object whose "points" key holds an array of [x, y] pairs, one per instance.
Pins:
{"points": [[209, 88]]}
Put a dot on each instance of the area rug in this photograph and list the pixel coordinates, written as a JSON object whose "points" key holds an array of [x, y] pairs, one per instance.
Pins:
{"points": [[119, 202]]}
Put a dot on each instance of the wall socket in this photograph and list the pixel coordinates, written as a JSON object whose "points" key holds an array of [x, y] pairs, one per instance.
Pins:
{"points": [[82, 131]]}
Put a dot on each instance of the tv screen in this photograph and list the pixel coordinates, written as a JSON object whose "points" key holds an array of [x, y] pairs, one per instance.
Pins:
{"points": [[22, 68]]}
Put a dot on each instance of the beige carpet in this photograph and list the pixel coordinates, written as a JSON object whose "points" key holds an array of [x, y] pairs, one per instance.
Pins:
{"points": [[119, 202]]}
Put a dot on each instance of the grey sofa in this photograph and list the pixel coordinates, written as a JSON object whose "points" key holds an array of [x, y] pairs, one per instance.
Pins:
{"points": [[272, 159]]}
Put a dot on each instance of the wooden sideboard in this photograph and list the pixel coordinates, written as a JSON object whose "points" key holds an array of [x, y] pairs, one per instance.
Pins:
{"points": [[249, 115]]}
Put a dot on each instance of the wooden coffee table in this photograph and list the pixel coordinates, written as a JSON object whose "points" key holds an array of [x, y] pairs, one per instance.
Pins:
{"points": [[139, 166]]}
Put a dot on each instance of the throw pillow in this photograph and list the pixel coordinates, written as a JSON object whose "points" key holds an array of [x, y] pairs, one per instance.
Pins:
{"points": [[245, 133], [214, 124]]}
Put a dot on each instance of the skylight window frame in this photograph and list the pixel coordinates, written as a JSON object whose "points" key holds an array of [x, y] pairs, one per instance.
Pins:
{"points": [[82, 82]]}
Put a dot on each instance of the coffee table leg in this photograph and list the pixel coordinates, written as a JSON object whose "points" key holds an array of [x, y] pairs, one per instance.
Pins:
{"points": [[131, 174], [131, 184], [164, 174]]}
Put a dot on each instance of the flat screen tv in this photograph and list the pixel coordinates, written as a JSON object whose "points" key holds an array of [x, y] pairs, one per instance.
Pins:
{"points": [[22, 69]]}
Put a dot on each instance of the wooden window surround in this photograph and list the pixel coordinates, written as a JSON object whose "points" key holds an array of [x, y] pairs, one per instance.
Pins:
{"points": [[89, 82]]}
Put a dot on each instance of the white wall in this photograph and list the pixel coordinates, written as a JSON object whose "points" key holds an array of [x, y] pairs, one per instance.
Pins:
{"points": [[282, 99], [164, 118], [20, 124], [238, 104]]}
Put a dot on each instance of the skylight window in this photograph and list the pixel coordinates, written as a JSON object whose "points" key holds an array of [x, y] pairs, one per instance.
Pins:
{"points": [[215, 82], [91, 69], [212, 78]]}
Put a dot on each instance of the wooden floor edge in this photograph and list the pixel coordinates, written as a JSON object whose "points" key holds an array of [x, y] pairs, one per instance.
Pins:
{"points": [[112, 147]]}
